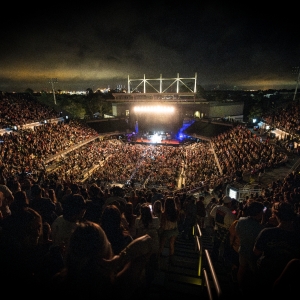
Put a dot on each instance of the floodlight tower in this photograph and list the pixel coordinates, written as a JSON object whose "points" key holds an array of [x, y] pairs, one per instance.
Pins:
{"points": [[52, 81]]}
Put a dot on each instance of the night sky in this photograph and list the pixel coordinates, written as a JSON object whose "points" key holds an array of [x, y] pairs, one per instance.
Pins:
{"points": [[98, 45]]}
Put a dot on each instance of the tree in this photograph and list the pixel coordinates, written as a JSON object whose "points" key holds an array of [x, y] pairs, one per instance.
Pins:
{"points": [[89, 92], [201, 92], [29, 91], [187, 87], [93, 103]]}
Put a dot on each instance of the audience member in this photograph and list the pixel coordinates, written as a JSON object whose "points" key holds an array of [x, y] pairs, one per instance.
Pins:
{"points": [[146, 223], [20, 202], [276, 246], [111, 223], [190, 216], [58, 206], [58, 156], [247, 229], [92, 270], [74, 207], [6, 198], [94, 204], [286, 286], [201, 211], [20, 254], [169, 227], [130, 218], [223, 218], [43, 205]]}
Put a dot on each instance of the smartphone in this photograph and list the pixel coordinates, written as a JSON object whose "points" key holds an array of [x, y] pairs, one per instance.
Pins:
{"points": [[150, 205], [265, 209]]}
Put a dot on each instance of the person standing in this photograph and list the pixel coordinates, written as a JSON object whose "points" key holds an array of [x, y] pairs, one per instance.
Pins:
{"points": [[223, 218], [6, 198], [169, 227], [93, 270], [201, 212], [247, 229], [43, 205], [111, 223], [130, 218], [276, 246], [147, 223], [190, 216]]}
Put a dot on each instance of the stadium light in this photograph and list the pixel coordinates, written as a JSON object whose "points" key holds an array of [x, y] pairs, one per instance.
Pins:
{"points": [[52, 81], [296, 69]]}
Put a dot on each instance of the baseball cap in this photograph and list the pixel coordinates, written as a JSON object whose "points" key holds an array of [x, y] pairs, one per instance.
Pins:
{"points": [[226, 199]]}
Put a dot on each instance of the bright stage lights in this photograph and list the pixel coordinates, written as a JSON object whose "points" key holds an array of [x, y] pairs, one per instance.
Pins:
{"points": [[156, 138], [154, 109]]}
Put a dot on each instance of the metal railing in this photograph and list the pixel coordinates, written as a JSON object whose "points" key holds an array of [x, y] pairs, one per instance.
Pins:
{"points": [[209, 275]]}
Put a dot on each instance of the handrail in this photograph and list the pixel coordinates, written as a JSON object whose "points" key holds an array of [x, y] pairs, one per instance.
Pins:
{"points": [[199, 249], [207, 283], [213, 274], [198, 236], [198, 246]]}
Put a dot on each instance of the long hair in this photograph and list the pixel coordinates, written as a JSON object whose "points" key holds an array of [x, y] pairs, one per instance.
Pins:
{"points": [[111, 219], [146, 215], [52, 195], [157, 208], [129, 215], [88, 241], [170, 209], [88, 245]]}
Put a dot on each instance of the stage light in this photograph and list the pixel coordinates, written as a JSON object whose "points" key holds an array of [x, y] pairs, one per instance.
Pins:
{"points": [[154, 109], [156, 138]]}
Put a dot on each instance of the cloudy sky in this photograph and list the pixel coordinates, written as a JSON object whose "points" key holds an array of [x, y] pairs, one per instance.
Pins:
{"points": [[248, 46]]}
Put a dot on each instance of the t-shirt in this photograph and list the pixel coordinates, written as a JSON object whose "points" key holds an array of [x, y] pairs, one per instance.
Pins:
{"points": [[62, 230], [247, 229], [223, 216]]}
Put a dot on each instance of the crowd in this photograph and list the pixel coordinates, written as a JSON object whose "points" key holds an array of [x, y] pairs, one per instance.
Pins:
{"points": [[66, 225], [22, 109], [286, 118]]}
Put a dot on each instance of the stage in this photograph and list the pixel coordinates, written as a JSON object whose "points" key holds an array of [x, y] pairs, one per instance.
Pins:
{"points": [[171, 142]]}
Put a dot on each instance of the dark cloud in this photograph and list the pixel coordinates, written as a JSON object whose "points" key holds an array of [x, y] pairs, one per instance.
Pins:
{"points": [[248, 46]]}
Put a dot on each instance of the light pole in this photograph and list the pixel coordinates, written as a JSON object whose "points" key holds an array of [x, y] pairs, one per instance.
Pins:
{"points": [[52, 81], [297, 69]]}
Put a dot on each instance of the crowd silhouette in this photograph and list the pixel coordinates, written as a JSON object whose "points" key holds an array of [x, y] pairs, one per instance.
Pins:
{"points": [[61, 182]]}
